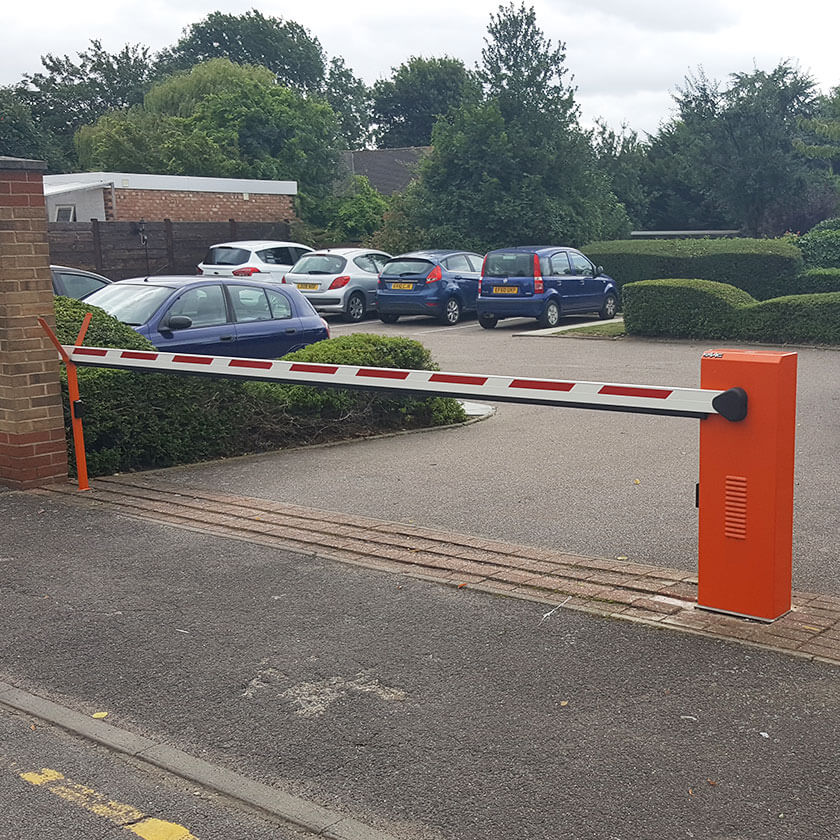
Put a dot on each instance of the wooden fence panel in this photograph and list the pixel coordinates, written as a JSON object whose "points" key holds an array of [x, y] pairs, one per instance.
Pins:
{"points": [[129, 249]]}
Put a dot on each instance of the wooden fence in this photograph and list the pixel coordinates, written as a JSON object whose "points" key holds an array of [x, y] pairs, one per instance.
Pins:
{"points": [[131, 249]]}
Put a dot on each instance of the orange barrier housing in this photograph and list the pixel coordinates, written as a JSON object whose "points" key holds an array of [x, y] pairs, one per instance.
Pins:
{"points": [[746, 486]]}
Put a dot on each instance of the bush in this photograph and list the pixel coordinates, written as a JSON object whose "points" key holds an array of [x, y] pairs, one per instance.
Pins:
{"points": [[817, 280], [703, 309], [681, 308], [764, 268], [826, 224], [821, 248], [136, 420]]}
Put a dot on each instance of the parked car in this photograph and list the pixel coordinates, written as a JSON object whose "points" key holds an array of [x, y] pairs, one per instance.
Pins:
{"points": [[76, 282], [339, 279], [542, 282], [214, 316], [261, 259], [443, 284]]}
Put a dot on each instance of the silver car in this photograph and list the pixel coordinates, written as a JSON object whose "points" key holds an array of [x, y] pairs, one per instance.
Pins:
{"points": [[340, 280]]}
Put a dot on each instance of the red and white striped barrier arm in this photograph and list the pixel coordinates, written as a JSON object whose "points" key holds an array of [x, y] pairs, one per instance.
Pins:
{"points": [[645, 399]]}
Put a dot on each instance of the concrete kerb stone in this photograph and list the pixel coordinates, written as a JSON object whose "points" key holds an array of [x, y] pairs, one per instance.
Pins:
{"points": [[275, 803]]}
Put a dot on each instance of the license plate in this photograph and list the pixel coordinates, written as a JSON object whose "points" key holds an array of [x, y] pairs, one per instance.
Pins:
{"points": [[408, 286], [310, 287], [505, 290]]}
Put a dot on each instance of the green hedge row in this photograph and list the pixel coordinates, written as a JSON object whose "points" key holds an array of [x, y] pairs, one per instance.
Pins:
{"points": [[820, 248], [692, 308], [137, 420], [765, 268]]}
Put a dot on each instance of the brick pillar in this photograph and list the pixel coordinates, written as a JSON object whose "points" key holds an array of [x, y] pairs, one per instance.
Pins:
{"points": [[33, 448]]}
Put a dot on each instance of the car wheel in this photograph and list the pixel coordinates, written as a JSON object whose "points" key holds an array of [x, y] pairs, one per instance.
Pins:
{"points": [[488, 321], [356, 307], [451, 312], [609, 307], [550, 316], [388, 317]]}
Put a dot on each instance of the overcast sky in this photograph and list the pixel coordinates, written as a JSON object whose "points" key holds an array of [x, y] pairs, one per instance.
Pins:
{"points": [[626, 56]]}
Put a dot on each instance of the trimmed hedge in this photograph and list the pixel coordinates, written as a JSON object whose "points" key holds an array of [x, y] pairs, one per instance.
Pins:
{"points": [[816, 281], [684, 308], [137, 420], [764, 268], [820, 248]]}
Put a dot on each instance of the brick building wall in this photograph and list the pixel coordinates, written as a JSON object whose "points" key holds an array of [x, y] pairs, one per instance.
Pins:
{"points": [[33, 449], [186, 206]]}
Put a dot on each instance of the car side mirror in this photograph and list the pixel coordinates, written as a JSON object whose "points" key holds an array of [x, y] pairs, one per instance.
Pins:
{"points": [[599, 270], [178, 322]]}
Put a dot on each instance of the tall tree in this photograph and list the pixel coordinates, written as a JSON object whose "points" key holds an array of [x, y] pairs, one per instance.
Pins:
{"points": [[515, 166], [221, 120], [71, 93], [821, 134], [20, 136], [406, 106], [740, 148], [350, 98], [621, 157], [283, 46]]}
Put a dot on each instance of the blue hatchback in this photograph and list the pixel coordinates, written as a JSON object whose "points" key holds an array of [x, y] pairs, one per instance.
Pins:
{"points": [[543, 282], [443, 284], [214, 316]]}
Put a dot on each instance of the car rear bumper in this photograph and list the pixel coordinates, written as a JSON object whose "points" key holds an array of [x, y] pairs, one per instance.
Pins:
{"points": [[408, 305], [530, 307]]}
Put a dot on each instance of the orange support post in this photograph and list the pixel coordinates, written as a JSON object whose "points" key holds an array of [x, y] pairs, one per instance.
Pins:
{"points": [[75, 399], [746, 487]]}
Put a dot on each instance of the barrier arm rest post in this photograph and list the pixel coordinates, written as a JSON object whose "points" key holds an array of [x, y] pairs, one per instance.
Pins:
{"points": [[75, 399]]}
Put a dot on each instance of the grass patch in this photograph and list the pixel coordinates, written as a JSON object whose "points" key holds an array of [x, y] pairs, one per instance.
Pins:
{"points": [[608, 329]]}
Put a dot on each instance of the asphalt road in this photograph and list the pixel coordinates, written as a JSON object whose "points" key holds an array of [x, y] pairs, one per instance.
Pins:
{"points": [[589, 482], [429, 712]]}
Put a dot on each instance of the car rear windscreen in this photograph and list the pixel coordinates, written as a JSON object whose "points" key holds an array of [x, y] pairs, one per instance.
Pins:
{"points": [[408, 267], [319, 264], [226, 256], [509, 265]]}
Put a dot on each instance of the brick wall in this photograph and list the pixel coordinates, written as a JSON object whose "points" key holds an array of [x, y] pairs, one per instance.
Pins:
{"points": [[33, 449], [157, 205]]}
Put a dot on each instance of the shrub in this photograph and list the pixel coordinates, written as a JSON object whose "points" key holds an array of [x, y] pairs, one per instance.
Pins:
{"points": [[137, 420], [703, 309], [764, 268], [827, 224], [681, 308], [817, 280], [821, 248]]}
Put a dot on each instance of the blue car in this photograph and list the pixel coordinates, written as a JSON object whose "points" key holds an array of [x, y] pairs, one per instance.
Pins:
{"points": [[214, 316], [543, 282], [443, 284]]}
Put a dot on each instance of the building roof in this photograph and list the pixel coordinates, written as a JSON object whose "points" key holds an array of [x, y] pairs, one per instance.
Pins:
{"points": [[180, 183], [388, 170], [73, 186]]}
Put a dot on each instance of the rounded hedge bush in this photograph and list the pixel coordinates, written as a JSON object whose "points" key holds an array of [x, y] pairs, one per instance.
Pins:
{"points": [[821, 248], [138, 420]]}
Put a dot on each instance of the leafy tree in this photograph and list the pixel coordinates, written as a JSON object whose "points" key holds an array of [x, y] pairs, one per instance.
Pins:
{"points": [[621, 158], [406, 106], [220, 120], [72, 93], [821, 140], [350, 98], [20, 136], [515, 166], [287, 49], [739, 149]]}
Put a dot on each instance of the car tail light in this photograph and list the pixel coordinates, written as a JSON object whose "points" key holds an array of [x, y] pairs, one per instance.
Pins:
{"points": [[434, 275], [246, 272], [326, 327], [483, 269], [283, 279], [199, 271], [539, 286], [340, 282]]}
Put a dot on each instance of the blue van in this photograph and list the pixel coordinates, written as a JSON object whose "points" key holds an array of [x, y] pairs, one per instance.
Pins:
{"points": [[542, 282], [443, 284]]}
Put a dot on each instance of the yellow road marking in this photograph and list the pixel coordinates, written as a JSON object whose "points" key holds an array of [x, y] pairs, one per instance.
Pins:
{"points": [[118, 813]]}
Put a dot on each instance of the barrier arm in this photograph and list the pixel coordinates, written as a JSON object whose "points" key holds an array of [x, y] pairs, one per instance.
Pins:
{"points": [[76, 406]]}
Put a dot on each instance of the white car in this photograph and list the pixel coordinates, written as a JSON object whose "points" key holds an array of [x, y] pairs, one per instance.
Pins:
{"points": [[260, 259], [340, 280]]}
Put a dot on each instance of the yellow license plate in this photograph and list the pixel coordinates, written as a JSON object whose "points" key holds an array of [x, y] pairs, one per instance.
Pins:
{"points": [[310, 287], [505, 290], [408, 286]]}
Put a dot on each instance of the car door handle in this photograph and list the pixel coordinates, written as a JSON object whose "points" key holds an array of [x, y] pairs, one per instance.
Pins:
{"points": [[226, 338], [290, 331]]}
